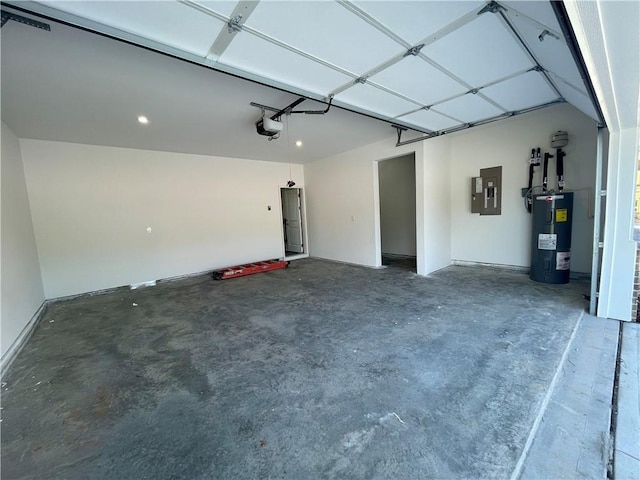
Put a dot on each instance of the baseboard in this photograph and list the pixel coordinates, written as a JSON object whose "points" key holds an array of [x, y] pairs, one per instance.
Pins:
{"points": [[347, 263], [500, 266], [75, 296], [186, 276], [580, 276], [297, 256], [19, 343], [515, 268], [145, 285], [399, 256], [28, 330]]}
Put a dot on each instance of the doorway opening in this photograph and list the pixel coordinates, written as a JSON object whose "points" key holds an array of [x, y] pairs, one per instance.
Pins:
{"points": [[397, 185], [292, 223]]}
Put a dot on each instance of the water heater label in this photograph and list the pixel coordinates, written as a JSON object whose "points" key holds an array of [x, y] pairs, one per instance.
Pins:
{"points": [[547, 241], [562, 260], [561, 215]]}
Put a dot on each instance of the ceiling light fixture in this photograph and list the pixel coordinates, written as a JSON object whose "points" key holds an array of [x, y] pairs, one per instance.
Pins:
{"points": [[143, 120], [298, 143]]}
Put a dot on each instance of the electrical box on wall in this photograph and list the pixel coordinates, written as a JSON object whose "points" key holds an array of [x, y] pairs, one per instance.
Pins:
{"points": [[486, 192]]}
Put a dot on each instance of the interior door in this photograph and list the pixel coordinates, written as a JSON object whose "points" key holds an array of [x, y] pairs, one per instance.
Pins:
{"points": [[292, 220]]}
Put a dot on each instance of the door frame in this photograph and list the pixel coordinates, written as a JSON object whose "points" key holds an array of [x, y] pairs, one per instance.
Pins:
{"points": [[303, 223], [420, 220]]}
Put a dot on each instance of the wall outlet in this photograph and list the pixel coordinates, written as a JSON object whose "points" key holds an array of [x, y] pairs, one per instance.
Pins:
{"points": [[150, 283]]}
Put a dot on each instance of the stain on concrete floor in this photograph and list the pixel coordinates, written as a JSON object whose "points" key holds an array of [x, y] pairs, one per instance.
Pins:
{"points": [[322, 370]]}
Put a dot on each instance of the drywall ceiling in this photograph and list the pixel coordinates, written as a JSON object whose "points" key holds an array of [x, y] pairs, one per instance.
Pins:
{"points": [[431, 66], [74, 86]]}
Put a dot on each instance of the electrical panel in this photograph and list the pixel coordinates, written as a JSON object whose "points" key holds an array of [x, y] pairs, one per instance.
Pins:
{"points": [[486, 192]]}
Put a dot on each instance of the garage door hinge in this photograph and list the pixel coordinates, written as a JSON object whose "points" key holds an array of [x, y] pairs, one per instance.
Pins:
{"points": [[235, 24], [493, 7], [414, 50]]}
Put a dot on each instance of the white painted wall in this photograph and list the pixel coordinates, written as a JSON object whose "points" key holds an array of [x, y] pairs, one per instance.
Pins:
{"points": [[436, 206], [92, 205], [505, 239], [397, 181], [343, 204], [21, 285], [340, 189]]}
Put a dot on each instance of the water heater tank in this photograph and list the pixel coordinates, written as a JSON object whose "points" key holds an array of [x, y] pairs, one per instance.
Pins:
{"points": [[551, 238]]}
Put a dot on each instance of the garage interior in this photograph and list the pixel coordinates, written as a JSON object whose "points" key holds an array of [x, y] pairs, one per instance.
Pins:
{"points": [[147, 144]]}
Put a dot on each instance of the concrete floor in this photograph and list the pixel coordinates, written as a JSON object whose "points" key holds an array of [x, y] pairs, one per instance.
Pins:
{"points": [[400, 261], [627, 439], [573, 437], [322, 370]]}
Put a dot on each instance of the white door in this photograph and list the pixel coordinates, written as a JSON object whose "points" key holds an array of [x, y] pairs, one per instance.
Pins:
{"points": [[292, 220]]}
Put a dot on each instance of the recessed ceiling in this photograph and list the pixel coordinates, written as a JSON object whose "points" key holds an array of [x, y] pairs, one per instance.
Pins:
{"points": [[419, 64], [74, 86]]}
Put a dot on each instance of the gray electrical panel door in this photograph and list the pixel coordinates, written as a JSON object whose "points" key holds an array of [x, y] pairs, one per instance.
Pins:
{"points": [[476, 195], [491, 191], [486, 192], [551, 238]]}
